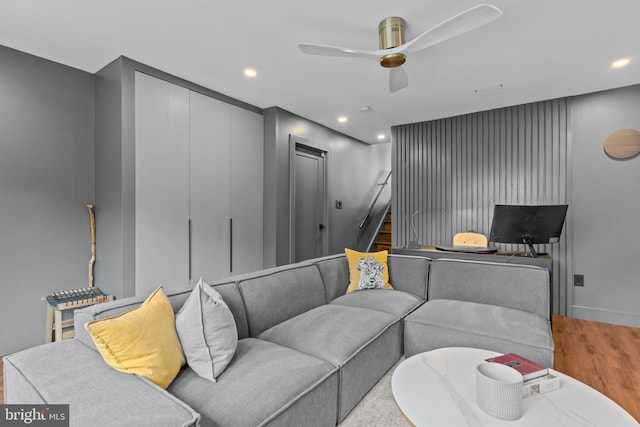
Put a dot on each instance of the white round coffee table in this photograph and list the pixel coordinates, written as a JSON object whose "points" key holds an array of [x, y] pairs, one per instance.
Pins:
{"points": [[438, 388]]}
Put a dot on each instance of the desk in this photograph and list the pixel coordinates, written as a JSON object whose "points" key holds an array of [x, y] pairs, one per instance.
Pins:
{"points": [[544, 260]]}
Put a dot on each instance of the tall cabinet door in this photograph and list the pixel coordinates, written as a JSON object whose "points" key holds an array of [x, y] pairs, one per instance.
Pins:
{"points": [[209, 193], [161, 184], [247, 152]]}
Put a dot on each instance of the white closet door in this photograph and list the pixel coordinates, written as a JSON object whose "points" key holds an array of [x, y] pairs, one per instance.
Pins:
{"points": [[162, 184], [247, 152], [210, 246]]}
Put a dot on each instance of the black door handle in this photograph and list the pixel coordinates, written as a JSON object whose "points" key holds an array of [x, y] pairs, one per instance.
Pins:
{"points": [[321, 226]]}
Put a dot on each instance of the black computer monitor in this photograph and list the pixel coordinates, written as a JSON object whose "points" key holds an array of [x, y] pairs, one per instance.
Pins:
{"points": [[527, 224]]}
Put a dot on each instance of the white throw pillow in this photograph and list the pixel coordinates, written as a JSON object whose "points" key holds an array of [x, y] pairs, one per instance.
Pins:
{"points": [[207, 331]]}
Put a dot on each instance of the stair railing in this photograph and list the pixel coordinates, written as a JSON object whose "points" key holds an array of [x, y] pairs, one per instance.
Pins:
{"points": [[368, 214]]}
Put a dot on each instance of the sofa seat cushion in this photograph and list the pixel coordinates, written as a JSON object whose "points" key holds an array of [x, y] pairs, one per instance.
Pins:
{"points": [[396, 303], [331, 332], [263, 383], [69, 372], [452, 323], [363, 343]]}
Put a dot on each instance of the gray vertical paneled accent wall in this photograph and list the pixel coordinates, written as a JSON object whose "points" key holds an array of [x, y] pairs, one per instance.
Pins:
{"points": [[453, 171]]}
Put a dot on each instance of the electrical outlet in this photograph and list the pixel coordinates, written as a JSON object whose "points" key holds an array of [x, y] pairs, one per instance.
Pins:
{"points": [[578, 280]]}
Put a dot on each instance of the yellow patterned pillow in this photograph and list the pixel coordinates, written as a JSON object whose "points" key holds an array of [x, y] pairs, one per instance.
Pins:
{"points": [[141, 341], [367, 270]]}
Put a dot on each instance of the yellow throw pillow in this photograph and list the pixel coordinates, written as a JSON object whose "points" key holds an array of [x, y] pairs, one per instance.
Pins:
{"points": [[141, 341], [367, 270]]}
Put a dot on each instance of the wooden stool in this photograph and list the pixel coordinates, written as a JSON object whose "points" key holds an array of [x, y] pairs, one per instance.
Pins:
{"points": [[56, 325], [59, 302]]}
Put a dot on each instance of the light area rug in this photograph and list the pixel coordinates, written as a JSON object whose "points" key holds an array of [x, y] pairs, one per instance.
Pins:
{"points": [[377, 408]]}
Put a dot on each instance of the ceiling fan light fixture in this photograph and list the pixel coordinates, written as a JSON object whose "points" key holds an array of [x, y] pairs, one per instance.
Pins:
{"points": [[391, 32], [393, 60], [394, 47]]}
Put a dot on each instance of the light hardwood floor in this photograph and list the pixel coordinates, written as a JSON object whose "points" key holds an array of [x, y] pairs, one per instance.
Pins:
{"points": [[602, 355]]}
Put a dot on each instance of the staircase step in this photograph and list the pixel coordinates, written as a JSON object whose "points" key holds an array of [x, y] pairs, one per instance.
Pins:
{"points": [[384, 237], [382, 246]]}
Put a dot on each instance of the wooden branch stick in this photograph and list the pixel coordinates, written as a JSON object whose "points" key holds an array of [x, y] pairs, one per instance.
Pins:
{"points": [[92, 261]]}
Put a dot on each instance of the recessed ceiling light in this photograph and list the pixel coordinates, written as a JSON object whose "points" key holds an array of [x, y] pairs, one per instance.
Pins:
{"points": [[250, 72], [298, 130], [342, 119], [381, 136], [623, 62]]}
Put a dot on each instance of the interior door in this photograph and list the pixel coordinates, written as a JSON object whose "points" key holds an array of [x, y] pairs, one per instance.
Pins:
{"points": [[308, 214]]}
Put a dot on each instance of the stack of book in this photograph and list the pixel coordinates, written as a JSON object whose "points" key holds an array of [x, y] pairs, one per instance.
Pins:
{"points": [[536, 378]]}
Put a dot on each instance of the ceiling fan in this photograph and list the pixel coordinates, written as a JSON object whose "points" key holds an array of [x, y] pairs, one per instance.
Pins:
{"points": [[393, 49]]}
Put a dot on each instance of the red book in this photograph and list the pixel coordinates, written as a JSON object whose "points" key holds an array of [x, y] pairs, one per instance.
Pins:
{"points": [[526, 367]]}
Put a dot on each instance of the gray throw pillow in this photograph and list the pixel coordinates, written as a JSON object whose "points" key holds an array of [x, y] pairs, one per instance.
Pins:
{"points": [[207, 332]]}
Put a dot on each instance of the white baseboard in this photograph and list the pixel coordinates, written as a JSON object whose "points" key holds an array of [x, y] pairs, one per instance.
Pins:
{"points": [[608, 316]]}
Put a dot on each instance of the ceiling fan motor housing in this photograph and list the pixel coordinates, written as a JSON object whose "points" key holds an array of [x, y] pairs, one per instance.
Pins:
{"points": [[391, 32]]}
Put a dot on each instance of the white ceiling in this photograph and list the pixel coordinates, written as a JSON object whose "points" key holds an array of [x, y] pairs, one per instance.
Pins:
{"points": [[538, 49]]}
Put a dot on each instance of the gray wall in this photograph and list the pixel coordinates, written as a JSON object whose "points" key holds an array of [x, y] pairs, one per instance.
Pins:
{"points": [[355, 169], [111, 157], [46, 180], [606, 209]]}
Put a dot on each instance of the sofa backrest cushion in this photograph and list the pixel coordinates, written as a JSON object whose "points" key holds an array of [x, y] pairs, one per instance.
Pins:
{"points": [[228, 290], [409, 274], [277, 294], [406, 273], [516, 286], [334, 270], [231, 295]]}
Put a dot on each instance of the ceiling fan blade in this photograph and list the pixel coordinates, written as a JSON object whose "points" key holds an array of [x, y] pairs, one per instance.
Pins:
{"points": [[398, 79], [318, 49], [468, 20]]}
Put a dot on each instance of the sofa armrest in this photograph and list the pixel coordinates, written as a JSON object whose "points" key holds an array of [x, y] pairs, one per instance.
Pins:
{"points": [[517, 286], [68, 372]]}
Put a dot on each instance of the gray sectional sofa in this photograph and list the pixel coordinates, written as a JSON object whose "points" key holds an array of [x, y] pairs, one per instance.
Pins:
{"points": [[307, 352]]}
